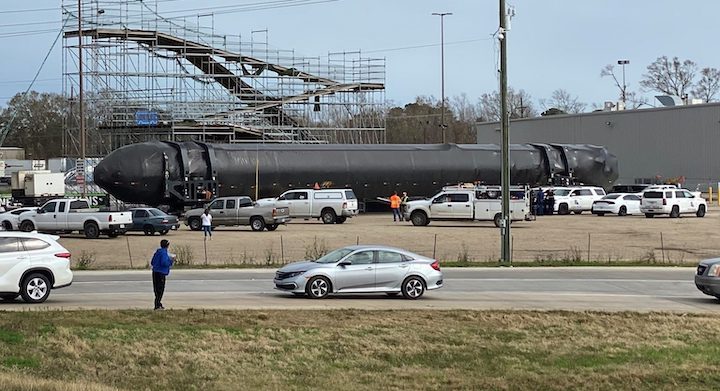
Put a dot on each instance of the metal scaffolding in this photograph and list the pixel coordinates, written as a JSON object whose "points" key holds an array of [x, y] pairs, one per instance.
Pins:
{"points": [[149, 77]]}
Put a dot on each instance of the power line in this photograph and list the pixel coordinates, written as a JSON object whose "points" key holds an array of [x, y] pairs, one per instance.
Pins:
{"points": [[426, 45], [27, 10], [6, 130]]}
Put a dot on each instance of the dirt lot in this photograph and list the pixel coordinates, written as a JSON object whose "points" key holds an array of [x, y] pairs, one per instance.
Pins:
{"points": [[610, 238]]}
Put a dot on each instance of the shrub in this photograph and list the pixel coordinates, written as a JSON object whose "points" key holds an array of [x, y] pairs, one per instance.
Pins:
{"points": [[86, 260]]}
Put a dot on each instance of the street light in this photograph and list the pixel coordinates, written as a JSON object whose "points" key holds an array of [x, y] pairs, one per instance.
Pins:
{"points": [[623, 63], [442, 70]]}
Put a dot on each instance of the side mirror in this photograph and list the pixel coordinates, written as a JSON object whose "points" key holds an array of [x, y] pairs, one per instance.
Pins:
{"points": [[281, 198], [40, 211], [345, 263]]}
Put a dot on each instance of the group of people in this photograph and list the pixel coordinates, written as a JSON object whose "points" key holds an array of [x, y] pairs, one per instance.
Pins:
{"points": [[543, 202], [398, 205]]}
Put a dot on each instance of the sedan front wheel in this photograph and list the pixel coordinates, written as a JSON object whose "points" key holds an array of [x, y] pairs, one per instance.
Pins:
{"points": [[318, 288]]}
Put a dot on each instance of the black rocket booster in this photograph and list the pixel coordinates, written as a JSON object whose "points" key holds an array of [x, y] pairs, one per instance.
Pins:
{"points": [[173, 173]]}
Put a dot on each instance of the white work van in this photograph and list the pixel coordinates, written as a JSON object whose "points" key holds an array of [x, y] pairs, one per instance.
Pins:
{"points": [[480, 203], [330, 205]]}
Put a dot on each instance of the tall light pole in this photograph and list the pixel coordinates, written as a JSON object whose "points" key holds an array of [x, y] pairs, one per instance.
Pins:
{"points": [[506, 252], [624, 87], [442, 70], [80, 100]]}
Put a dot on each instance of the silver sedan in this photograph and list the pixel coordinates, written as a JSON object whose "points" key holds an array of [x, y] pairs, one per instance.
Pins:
{"points": [[362, 269]]}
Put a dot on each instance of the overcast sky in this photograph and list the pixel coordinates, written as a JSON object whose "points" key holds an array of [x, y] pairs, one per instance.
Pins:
{"points": [[552, 44]]}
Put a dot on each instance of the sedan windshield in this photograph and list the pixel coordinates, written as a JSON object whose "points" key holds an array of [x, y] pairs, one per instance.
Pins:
{"points": [[334, 256]]}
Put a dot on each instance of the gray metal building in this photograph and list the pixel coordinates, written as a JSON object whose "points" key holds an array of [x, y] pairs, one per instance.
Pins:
{"points": [[668, 142]]}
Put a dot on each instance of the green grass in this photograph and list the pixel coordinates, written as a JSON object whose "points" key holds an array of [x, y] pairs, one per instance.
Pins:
{"points": [[353, 349]]}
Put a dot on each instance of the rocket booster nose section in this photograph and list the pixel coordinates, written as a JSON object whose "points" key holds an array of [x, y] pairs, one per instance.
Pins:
{"points": [[133, 173]]}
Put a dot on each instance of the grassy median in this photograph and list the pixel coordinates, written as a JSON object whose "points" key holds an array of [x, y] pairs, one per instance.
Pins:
{"points": [[352, 349]]}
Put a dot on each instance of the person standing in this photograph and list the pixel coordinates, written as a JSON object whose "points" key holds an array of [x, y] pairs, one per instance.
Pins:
{"points": [[207, 223], [161, 263], [395, 206], [403, 205], [539, 202]]}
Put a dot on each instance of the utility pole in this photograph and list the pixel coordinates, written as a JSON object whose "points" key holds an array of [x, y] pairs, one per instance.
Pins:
{"points": [[81, 111], [442, 71], [505, 127], [624, 87]]}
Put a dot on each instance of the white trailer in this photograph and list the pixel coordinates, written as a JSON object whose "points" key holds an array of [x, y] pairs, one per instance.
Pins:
{"points": [[37, 186]]}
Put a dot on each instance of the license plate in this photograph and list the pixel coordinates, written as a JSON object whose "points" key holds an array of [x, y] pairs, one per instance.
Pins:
{"points": [[122, 225]]}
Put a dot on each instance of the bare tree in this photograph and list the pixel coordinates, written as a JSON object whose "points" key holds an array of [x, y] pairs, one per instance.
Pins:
{"points": [[562, 100], [632, 98], [708, 86], [609, 71], [672, 77], [520, 105]]}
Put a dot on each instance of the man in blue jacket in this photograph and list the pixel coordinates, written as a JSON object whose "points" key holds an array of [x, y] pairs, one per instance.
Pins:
{"points": [[161, 263]]}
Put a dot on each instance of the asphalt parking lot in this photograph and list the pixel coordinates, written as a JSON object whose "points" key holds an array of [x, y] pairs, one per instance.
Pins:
{"points": [[608, 238]]}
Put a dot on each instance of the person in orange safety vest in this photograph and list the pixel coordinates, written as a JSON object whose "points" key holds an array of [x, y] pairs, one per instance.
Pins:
{"points": [[395, 206]]}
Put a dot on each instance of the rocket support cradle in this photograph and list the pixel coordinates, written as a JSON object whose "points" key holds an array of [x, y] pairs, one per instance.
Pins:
{"points": [[173, 173]]}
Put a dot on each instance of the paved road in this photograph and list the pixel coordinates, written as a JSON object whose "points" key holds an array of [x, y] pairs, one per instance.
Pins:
{"points": [[586, 288]]}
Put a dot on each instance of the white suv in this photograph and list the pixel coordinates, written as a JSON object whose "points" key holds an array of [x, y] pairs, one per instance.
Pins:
{"points": [[31, 264], [671, 201], [576, 199]]}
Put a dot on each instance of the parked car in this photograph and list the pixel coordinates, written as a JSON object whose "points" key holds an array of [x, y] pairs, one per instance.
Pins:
{"points": [[233, 211], [151, 220], [630, 189], [576, 199], [31, 264], [73, 214], [707, 277], [330, 205], [672, 202], [10, 220], [362, 269], [618, 204]]}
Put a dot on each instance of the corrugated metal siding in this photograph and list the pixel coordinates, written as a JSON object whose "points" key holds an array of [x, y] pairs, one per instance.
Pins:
{"points": [[671, 142]]}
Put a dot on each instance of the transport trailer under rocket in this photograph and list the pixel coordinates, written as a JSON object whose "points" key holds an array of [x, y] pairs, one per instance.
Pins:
{"points": [[174, 173]]}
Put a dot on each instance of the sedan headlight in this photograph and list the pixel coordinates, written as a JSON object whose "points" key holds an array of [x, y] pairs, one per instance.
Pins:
{"points": [[714, 270], [286, 275]]}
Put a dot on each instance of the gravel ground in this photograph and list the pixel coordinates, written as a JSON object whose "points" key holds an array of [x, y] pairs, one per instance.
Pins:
{"points": [[609, 238]]}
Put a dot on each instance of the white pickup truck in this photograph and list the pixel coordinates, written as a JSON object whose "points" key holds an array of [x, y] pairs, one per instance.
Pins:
{"points": [[333, 206], [482, 203], [72, 214]]}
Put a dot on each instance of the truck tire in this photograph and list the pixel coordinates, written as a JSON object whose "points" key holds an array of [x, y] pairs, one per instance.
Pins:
{"points": [[27, 226], [675, 212], [498, 220], [419, 218], [700, 211], [328, 216], [257, 223], [91, 230], [194, 223]]}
